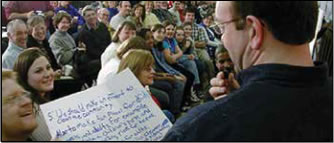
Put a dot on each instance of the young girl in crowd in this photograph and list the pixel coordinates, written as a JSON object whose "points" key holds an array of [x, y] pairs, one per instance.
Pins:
{"points": [[36, 75], [159, 35], [150, 18], [126, 30], [138, 16], [111, 67], [163, 80], [173, 54], [141, 62]]}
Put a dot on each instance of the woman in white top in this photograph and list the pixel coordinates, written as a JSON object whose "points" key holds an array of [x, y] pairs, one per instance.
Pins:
{"points": [[126, 30], [111, 68]]}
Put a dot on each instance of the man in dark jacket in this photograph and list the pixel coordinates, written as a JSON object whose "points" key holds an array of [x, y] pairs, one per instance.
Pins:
{"points": [[284, 95], [96, 37]]}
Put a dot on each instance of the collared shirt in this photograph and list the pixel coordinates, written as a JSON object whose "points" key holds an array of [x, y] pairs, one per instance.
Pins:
{"points": [[198, 34], [275, 102], [10, 55]]}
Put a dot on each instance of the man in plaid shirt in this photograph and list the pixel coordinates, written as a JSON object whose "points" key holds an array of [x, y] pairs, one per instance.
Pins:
{"points": [[200, 41]]}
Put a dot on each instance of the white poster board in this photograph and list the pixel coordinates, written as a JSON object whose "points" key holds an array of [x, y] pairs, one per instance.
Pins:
{"points": [[119, 110]]}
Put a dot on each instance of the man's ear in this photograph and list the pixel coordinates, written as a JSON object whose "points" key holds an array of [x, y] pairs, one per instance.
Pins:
{"points": [[255, 32], [9, 35]]}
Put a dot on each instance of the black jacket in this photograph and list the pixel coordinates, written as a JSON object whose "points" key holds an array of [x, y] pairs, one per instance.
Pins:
{"points": [[45, 47], [275, 103]]}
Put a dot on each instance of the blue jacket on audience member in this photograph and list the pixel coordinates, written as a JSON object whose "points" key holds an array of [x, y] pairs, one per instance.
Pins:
{"points": [[275, 103]]}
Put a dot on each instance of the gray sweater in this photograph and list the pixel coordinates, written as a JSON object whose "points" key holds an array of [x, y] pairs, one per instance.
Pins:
{"points": [[63, 47]]}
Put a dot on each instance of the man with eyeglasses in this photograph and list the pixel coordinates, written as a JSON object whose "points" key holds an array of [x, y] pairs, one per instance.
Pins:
{"points": [[283, 94], [18, 116]]}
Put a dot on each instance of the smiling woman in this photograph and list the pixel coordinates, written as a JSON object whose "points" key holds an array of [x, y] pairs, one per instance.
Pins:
{"points": [[36, 75]]}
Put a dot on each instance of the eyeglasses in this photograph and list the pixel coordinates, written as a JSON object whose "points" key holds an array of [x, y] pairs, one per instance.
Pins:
{"points": [[220, 27], [16, 99]]}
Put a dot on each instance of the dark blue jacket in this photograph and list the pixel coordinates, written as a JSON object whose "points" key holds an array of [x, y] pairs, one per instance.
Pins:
{"points": [[275, 103]]}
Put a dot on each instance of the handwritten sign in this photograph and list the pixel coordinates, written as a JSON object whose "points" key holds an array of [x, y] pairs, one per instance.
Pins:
{"points": [[119, 110]]}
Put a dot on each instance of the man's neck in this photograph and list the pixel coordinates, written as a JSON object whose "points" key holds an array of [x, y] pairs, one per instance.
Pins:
{"points": [[123, 14], [280, 53]]}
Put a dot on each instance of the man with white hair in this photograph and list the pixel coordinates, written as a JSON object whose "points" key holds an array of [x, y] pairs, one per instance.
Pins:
{"points": [[17, 34]]}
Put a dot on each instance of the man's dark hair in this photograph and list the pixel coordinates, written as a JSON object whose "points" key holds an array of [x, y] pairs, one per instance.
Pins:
{"points": [[291, 22], [190, 9]]}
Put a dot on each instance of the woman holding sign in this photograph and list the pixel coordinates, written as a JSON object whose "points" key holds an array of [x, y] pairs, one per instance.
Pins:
{"points": [[36, 76], [141, 62]]}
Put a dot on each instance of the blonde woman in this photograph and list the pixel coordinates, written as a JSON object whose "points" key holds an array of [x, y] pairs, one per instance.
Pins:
{"points": [[141, 62]]}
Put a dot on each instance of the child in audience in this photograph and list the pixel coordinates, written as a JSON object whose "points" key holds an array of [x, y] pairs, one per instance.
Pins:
{"points": [[125, 31], [141, 62], [223, 61], [137, 16], [18, 117], [162, 79], [159, 35], [173, 54]]}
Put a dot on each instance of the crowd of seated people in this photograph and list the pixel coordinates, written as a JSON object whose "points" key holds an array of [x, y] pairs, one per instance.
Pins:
{"points": [[89, 43]]}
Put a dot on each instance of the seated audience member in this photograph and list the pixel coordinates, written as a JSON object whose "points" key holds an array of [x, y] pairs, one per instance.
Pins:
{"points": [[175, 11], [137, 16], [37, 38], [25, 9], [212, 41], [17, 35], [62, 44], [124, 12], [102, 16], [77, 20], [199, 37], [189, 59], [284, 94], [125, 31], [162, 13], [158, 52], [223, 60], [111, 67], [168, 82], [141, 62], [96, 37], [18, 117], [36, 75], [173, 54], [203, 57], [150, 18], [112, 8], [54, 4]]}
